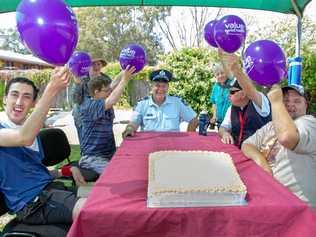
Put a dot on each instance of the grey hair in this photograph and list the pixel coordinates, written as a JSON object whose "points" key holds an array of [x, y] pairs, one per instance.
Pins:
{"points": [[217, 67]]}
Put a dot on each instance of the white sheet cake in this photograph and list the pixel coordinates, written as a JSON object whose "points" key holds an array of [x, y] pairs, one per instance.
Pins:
{"points": [[193, 179]]}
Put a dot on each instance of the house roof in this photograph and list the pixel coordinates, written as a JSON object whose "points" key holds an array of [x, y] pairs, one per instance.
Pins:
{"points": [[23, 58]]}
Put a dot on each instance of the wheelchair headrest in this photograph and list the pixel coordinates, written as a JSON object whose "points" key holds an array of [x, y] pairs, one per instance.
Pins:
{"points": [[55, 145]]}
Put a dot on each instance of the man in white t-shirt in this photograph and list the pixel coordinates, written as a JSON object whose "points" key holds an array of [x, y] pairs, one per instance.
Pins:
{"points": [[286, 147]]}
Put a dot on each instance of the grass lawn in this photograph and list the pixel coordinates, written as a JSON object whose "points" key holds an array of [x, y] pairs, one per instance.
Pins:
{"points": [[74, 156]]}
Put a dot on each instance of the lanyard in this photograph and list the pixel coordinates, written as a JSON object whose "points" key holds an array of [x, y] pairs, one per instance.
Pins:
{"points": [[242, 121]]}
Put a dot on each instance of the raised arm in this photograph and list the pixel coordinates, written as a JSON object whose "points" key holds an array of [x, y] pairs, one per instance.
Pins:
{"points": [[117, 80], [232, 61], [25, 135], [117, 92], [284, 125]]}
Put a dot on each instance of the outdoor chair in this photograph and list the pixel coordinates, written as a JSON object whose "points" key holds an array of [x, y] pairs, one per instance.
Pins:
{"points": [[56, 149]]}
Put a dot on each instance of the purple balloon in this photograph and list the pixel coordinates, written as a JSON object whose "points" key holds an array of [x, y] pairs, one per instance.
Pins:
{"points": [[48, 29], [133, 55], [209, 33], [80, 63], [230, 33], [265, 62]]}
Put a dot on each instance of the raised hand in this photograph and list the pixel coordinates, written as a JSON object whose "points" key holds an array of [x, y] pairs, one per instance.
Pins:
{"points": [[230, 61], [275, 94], [60, 79], [128, 72]]}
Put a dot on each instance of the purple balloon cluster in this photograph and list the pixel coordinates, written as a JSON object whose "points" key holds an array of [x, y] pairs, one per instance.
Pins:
{"points": [[133, 55], [228, 33], [80, 63], [265, 62], [48, 29]]}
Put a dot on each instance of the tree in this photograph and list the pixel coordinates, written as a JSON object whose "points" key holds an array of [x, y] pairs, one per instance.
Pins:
{"points": [[183, 33], [105, 31], [284, 33], [11, 41]]}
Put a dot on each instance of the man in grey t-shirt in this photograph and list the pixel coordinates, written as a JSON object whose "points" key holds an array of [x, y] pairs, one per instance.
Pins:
{"points": [[286, 147]]}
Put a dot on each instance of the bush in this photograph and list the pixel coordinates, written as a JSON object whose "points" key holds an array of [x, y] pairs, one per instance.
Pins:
{"points": [[127, 99], [192, 75], [2, 86]]}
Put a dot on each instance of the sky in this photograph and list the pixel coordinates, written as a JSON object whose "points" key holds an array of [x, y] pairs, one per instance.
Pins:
{"points": [[7, 20]]}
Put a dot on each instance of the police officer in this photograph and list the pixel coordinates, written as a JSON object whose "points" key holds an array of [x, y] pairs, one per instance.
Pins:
{"points": [[160, 111]]}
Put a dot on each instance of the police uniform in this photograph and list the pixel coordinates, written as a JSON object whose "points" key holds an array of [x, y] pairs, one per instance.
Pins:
{"points": [[166, 117]]}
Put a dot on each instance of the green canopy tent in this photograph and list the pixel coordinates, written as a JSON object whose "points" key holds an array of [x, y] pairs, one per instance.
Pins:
{"points": [[283, 6]]}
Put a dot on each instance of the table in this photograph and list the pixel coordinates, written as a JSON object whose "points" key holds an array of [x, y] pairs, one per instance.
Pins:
{"points": [[117, 204]]}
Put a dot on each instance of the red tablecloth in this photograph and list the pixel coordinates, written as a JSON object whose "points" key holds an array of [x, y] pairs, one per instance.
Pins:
{"points": [[117, 204]]}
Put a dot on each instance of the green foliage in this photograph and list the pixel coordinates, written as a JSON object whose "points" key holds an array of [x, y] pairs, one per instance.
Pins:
{"points": [[309, 77], [104, 31], [74, 156], [191, 70], [2, 86], [284, 33], [113, 69]]}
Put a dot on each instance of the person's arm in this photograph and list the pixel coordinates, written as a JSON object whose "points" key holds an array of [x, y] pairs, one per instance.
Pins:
{"points": [[117, 80], [130, 130], [253, 153], [225, 135], [225, 129], [25, 135], [77, 176], [232, 62], [213, 119], [193, 125], [117, 92], [284, 125]]}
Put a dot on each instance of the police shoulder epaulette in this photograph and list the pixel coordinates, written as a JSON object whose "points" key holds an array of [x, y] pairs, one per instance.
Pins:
{"points": [[181, 99]]}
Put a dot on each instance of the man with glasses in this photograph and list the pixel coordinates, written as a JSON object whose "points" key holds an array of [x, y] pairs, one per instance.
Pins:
{"points": [[97, 115], [286, 147], [250, 108], [160, 111]]}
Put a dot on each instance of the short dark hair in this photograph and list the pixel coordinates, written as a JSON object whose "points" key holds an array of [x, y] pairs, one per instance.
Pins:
{"points": [[97, 84], [23, 80]]}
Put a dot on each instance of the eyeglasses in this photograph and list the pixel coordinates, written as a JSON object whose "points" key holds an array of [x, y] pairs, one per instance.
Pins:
{"points": [[233, 92]]}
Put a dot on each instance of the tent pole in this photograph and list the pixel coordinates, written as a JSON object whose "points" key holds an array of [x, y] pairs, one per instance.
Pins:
{"points": [[298, 37]]}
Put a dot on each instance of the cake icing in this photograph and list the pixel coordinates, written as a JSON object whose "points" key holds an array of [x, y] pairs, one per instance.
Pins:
{"points": [[193, 178]]}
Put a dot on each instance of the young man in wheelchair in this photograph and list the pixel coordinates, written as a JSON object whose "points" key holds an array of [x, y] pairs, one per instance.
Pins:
{"points": [[25, 182]]}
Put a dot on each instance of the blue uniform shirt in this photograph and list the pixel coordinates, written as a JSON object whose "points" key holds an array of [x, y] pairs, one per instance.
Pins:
{"points": [[166, 117]]}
